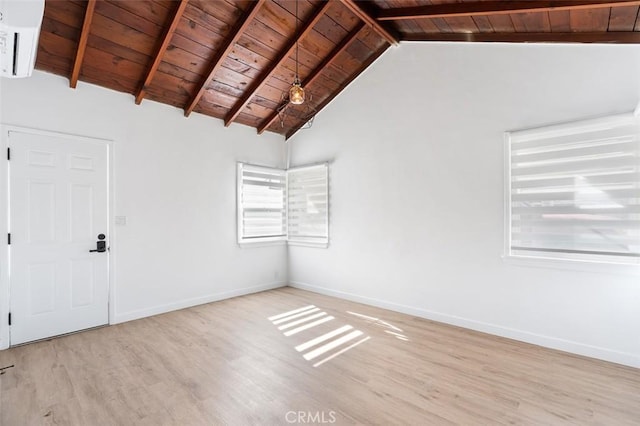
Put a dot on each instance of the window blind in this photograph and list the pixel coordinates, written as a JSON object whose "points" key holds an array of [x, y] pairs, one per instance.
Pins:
{"points": [[575, 191], [261, 203], [308, 204]]}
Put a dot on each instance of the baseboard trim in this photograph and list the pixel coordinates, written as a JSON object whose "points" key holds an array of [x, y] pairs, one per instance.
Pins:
{"points": [[578, 348], [187, 303]]}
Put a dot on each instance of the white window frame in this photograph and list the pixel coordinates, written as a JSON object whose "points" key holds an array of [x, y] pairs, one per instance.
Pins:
{"points": [[242, 240], [587, 263], [321, 242], [310, 241]]}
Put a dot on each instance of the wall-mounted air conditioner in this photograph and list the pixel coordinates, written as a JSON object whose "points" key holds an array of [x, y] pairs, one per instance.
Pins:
{"points": [[20, 22]]}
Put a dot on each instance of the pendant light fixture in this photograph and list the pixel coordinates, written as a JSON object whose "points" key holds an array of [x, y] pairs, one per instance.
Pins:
{"points": [[296, 104], [296, 92]]}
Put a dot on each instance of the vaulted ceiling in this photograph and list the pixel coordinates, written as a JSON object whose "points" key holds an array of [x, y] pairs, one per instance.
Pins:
{"points": [[235, 59]]}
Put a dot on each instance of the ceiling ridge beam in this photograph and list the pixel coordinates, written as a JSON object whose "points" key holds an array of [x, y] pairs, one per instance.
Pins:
{"points": [[343, 86], [82, 43], [284, 55], [483, 8], [168, 35], [341, 47], [357, 10], [565, 37], [223, 52]]}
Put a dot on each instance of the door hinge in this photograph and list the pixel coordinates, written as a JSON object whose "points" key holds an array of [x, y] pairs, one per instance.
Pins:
{"points": [[8, 153], [9, 238], [9, 318]]}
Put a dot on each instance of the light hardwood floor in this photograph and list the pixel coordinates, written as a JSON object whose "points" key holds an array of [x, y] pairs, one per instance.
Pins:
{"points": [[227, 363]]}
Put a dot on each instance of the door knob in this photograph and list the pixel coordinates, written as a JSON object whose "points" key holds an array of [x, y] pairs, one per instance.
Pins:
{"points": [[101, 245]]}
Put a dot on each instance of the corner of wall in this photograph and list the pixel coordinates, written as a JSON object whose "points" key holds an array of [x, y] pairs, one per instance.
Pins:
{"points": [[287, 265]]}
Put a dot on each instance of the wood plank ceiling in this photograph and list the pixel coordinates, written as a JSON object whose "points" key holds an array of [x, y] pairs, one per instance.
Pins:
{"points": [[234, 59]]}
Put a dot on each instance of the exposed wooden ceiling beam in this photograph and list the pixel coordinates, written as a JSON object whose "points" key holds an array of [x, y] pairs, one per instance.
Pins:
{"points": [[163, 47], [223, 52], [353, 76], [371, 21], [341, 47], [450, 10], [82, 43], [573, 37], [282, 58]]}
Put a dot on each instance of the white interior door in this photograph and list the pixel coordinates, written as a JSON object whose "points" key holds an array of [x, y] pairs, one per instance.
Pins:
{"points": [[58, 206]]}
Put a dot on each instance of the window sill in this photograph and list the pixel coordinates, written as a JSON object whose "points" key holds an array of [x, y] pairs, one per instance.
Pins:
{"points": [[308, 244], [602, 267], [257, 244]]}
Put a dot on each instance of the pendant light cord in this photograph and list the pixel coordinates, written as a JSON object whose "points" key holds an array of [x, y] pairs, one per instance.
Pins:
{"points": [[297, 78]]}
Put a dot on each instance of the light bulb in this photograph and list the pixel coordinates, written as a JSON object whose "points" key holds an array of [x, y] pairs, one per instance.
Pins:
{"points": [[296, 93]]}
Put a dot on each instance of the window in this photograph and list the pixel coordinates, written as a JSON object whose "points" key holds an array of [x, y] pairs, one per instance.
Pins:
{"points": [[261, 204], [574, 191], [283, 205], [308, 205]]}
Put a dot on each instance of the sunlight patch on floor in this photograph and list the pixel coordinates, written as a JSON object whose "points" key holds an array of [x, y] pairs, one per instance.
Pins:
{"points": [[397, 333], [301, 321], [340, 352], [331, 344], [301, 314], [286, 314], [308, 326]]}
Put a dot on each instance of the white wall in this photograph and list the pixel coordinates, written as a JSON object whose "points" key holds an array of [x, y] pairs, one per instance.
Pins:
{"points": [[417, 191], [175, 183]]}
